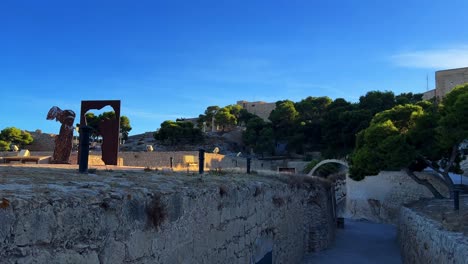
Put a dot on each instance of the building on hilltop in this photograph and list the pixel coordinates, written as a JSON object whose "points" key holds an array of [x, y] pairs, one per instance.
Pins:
{"points": [[446, 80], [259, 108]]}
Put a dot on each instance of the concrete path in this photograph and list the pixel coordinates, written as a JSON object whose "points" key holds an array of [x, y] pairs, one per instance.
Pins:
{"points": [[360, 242]]}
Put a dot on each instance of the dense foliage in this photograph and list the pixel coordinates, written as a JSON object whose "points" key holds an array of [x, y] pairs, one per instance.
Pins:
{"points": [[312, 124], [13, 135], [224, 117], [93, 121], [320, 123], [413, 137], [174, 132]]}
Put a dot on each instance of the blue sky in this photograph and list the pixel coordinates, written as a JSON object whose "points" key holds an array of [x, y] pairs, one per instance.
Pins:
{"points": [[171, 59]]}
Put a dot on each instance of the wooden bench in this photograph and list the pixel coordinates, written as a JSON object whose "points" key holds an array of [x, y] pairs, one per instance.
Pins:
{"points": [[35, 159]]}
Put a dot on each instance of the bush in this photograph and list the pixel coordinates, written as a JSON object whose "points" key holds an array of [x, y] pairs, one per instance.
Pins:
{"points": [[4, 146]]}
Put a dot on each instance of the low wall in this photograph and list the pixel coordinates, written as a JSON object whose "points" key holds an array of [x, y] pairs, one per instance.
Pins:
{"points": [[426, 240], [379, 198], [131, 216], [161, 159]]}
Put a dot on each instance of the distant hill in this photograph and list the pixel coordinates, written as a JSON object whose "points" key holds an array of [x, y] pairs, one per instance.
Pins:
{"points": [[227, 142]]}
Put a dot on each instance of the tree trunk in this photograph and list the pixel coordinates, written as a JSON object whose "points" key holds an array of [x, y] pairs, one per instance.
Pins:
{"points": [[425, 183]]}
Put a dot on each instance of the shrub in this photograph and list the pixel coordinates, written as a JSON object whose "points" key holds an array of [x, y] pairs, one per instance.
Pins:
{"points": [[4, 146]]}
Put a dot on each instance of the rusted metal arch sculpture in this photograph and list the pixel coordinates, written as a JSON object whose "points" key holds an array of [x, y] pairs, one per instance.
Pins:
{"points": [[109, 128]]}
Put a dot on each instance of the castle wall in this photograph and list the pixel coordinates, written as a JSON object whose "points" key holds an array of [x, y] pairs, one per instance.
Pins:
{"points": [[131, 216], [260, 109], [446, 80]]}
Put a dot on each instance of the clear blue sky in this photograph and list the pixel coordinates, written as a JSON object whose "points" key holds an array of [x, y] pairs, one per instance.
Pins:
{"points": [[171, 59]]}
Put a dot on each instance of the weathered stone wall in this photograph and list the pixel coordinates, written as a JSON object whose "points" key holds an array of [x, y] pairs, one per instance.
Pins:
{"points": [[446, 80], [122, 216], [426, 241], [261, 109], [379, 198]]}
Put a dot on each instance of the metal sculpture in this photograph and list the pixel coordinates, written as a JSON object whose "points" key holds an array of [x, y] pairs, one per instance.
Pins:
{"points": [[64, 140], [109, 129]]}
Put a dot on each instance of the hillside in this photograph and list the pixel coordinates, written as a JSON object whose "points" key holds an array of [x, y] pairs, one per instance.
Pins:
{"points": [[228, 143]]}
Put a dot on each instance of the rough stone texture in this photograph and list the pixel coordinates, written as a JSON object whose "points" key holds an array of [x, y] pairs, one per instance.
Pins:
{"points": [[41, 141], [56, 215], [425, 240], [379, 198], [259, 108], [446, 80], [340, 197]]}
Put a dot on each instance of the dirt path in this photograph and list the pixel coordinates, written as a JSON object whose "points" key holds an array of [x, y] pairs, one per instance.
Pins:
{"points": [[360, 242]]}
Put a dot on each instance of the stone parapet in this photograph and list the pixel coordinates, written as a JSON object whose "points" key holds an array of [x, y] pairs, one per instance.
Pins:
{"points": [[56, 215], [428, 240]]}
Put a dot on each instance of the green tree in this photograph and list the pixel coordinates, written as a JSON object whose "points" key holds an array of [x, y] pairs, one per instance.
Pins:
{"points": [[178, 132], [337, 131], [209, 114], [412, 137], [312, 108], [308, 132], [284, 120], [4, 146], [376, 101], [259, 136], [225, 118], [93, 121], [285, 114], [235, 110], [244, 117], [408, 98], [125, 127], [14, 135]]}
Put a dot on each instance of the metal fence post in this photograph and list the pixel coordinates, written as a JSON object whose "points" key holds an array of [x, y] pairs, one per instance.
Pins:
{"points": [[201, 160], [84, 149]]}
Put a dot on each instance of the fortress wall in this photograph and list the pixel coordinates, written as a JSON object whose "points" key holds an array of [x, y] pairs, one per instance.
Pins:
{"points": [[60, 216]]}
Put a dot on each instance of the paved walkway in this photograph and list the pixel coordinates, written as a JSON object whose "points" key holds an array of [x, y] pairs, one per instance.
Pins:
{"points": [[360, 242]]}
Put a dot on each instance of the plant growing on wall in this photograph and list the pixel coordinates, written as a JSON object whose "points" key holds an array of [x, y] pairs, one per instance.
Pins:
{"points": [[413, 137]]}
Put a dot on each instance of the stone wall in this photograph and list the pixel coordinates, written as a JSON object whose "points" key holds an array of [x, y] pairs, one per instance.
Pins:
{"points": [[427, 241], [161, 160], [379, 198], [446, 80], [131, 216], [261, 109]]}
